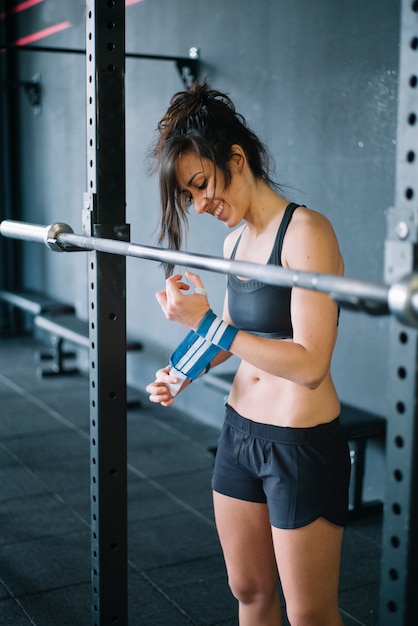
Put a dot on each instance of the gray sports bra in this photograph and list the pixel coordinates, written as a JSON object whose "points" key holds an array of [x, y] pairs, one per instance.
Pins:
{"points": [[259, 308]]}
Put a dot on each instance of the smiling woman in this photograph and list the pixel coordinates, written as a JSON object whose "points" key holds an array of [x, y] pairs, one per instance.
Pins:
{"points": [[280, 481], [203, 124]]}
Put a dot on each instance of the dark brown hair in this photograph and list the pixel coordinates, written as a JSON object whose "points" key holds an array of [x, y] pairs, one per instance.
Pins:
{"points": [[206, 122]]}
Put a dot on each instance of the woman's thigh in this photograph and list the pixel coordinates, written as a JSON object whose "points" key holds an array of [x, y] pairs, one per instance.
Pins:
{"points": [[245, 535], [308, 560]]}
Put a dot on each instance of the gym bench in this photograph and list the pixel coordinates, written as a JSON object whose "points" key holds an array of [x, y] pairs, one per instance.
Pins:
{"points": [[33, 303], [61, 329]]}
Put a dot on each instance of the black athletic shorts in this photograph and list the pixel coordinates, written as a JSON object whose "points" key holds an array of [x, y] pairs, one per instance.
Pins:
{"points": [[301, 473]]}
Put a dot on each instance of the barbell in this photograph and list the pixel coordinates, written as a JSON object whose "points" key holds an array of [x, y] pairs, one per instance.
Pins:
{"points": [[399, 299]]}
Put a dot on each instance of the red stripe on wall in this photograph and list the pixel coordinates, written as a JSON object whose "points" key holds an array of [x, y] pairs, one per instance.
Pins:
{"points": [[45, 32], [20, 7], [27, 4]]}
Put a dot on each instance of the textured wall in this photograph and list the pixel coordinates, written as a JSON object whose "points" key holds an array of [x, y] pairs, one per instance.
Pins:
{"points": [[317, 80]]}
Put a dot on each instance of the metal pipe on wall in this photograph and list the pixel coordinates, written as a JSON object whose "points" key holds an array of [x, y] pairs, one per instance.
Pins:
{"points": [[188, 67]]}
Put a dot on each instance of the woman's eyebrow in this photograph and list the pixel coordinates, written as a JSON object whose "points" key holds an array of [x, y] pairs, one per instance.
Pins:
{"points": [[193, 177]]}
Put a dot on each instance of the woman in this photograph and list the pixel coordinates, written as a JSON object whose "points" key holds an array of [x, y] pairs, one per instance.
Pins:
{"points": [[280, 483]]}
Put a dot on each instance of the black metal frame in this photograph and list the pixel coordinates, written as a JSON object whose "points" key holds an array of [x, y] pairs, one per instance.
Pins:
{"points": [[399, 568], [104, 215]]}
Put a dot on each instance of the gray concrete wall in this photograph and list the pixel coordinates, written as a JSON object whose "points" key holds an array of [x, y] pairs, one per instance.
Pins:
{"points": [[316, 79]]}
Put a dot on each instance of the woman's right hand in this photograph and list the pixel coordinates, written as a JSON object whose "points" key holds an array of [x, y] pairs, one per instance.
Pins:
{"points": [[159, 390], [187, 310]]}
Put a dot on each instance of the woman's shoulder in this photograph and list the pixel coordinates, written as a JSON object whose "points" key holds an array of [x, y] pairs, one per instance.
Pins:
{"points": [[303, 215], [307, 222], [309, 239]]}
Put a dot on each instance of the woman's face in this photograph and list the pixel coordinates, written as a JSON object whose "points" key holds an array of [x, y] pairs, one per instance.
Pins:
{"points": [[204, 186]]}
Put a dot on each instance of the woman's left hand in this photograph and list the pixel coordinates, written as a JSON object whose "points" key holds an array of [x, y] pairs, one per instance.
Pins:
{"points": [[187, 310]]}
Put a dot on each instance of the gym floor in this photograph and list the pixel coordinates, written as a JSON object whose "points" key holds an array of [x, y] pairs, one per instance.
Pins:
{"points": [[176, 570]]}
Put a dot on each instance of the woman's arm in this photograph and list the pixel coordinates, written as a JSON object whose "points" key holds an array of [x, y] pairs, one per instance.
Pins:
{"points": [[310, 245]]}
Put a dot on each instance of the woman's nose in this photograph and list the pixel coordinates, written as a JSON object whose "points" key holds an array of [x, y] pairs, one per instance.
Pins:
{"points": [[200, 204]]}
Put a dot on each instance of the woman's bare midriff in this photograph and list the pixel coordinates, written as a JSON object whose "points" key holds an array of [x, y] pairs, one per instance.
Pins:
{"points": [[265, 398]]}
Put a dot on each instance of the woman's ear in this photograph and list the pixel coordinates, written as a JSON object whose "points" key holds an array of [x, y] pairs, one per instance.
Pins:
{"points": [[238, 158]]}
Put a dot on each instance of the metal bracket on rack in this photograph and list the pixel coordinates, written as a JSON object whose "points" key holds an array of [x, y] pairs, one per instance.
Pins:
{"points": [[188, 68], [32, 89]]}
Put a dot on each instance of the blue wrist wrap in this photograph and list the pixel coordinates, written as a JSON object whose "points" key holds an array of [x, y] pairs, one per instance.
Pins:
{"points": [[191, 358], [215, 330]]}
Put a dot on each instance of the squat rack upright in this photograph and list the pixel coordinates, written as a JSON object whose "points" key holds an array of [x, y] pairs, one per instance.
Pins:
{"points": [[104, 215], [399, 566]]}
